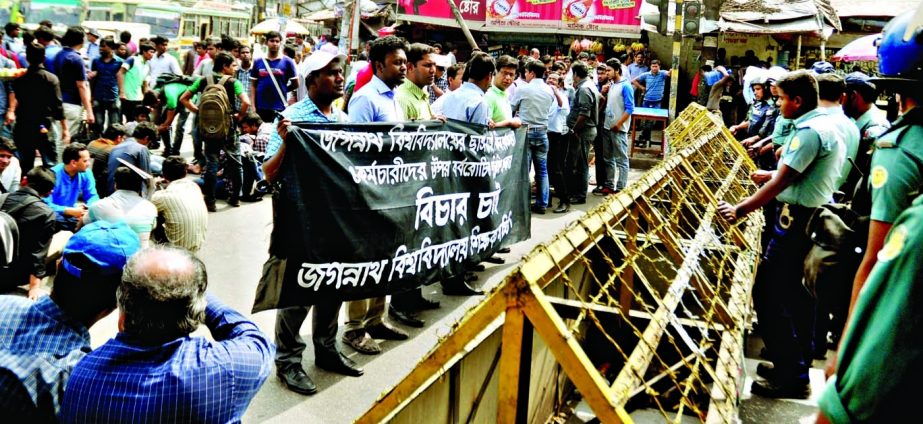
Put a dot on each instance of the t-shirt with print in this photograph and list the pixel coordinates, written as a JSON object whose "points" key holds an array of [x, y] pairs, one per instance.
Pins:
{"points": [[267, 97], [106, 83], [70, 70]]}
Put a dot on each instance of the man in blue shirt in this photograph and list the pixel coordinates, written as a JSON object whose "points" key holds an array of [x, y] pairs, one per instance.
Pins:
{"points": [[74, 179], [324, 81], [93, 44], [652, 84], [375, 101], [270, 87], [72, 73], [467, 103], [154, 370], [41, 341], [133, 150], [535, 102], [104, 72]]}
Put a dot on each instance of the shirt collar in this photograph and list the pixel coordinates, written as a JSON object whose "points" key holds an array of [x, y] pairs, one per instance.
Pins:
{"points": [[807, 116], [380, 86], [50, 309], [497, 91], [414, 90], [310, 108], [471, 86]]}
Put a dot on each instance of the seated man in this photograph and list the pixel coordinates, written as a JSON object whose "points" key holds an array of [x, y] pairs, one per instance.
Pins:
{"points": [[100, 149], [153, 370], [134, 151], [41, 341], [36, 224], [182, 217], [126, 204], [10, 172], [73, 181]]}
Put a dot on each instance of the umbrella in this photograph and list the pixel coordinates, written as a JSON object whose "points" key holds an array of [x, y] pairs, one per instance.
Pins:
{"points": [[863, 48], [291, 27]]}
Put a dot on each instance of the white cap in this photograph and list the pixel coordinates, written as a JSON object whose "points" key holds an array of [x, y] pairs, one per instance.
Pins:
{"points": [[442, 60], [319, 59]]}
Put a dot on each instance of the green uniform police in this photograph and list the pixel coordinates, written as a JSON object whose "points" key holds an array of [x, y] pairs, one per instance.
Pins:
{"points": [[809, 166], [896, 174], [880, 357]]}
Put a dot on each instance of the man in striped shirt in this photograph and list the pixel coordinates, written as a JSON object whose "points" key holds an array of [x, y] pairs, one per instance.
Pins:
{"points": [[182, 218]]}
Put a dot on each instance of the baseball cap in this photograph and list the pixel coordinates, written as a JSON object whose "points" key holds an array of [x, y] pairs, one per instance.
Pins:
{"points": [[442, 60], [858, 79], [821, 67], [319, 59], [105, 245]]}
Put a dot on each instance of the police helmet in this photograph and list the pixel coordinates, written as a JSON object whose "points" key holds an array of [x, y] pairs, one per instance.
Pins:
{"points": [[900, 51]]}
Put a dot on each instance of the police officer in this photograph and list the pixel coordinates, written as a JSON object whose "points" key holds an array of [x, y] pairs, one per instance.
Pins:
{"points": [[897, 161], [871, 122], [757, 114], [810, 163]]}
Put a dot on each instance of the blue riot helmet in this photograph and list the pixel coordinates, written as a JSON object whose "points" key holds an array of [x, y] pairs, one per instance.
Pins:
{"points": [[900, 51]]}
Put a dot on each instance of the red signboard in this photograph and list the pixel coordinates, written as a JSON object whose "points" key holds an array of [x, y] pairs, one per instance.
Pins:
{"points": [[471, 10], [524, 13], [606, 15]]}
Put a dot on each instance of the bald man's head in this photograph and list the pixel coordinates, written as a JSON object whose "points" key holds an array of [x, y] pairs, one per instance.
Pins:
{"points": [[162, 294]]}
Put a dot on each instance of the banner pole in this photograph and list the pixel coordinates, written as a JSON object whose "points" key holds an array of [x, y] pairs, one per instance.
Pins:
{"points": [[463, 25]]}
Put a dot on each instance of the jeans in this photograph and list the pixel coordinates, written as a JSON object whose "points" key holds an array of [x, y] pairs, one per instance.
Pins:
{"points": [[557, 158], [290, 345], [232, 169], [197, 152], [106, 113], [170, 149], [537, 138], [647, 125], [620, 142], [783, 306], [604, 145], [578, 167]]}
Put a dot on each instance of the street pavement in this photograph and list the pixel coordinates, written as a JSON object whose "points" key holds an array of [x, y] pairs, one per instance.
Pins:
{"points": [[235, 250]]}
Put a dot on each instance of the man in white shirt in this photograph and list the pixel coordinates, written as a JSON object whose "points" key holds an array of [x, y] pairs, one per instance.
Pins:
{"points": [[10, 173], [126, 204], [162, 62]]}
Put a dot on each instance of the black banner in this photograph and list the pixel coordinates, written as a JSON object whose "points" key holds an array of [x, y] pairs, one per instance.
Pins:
{"points": [[373, 209]]}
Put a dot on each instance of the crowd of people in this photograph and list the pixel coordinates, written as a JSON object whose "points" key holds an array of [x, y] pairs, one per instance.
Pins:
{"points": [[137, 221]]}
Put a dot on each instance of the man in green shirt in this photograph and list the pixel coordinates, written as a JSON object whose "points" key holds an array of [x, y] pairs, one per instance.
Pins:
{"points": [[224, 65], [501, 112], [411, 96], [896, 176], [133, 80], [881, 356], [413, 100], [810, 164]]}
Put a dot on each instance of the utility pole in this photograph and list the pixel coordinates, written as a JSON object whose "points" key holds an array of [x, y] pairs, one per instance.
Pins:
{"points": [[677, 47], [462, 25]]}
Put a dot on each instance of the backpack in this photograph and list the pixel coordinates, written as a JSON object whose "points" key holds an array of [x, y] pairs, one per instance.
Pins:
{"points": [[9, 234], [169, 78], [214, 117]]}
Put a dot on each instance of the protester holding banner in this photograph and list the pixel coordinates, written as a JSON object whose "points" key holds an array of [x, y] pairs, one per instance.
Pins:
{"points": [[501, 112], [324, 81], [467, 103], [414, 102], [375, 102]]}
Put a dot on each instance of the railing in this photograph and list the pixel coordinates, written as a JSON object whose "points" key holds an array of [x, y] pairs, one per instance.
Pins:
{"points": [[640, 307]]}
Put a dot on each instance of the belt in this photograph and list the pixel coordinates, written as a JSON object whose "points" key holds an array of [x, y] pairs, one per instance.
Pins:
{"points": [[536, 127]]}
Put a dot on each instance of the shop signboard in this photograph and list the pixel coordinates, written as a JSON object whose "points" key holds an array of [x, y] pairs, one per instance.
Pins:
{"points": [[524, 14], [439, 12], [601, 15]]}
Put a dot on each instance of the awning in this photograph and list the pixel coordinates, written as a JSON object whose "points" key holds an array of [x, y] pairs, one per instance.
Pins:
{"points": [[483, 27], [794, 26]]}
